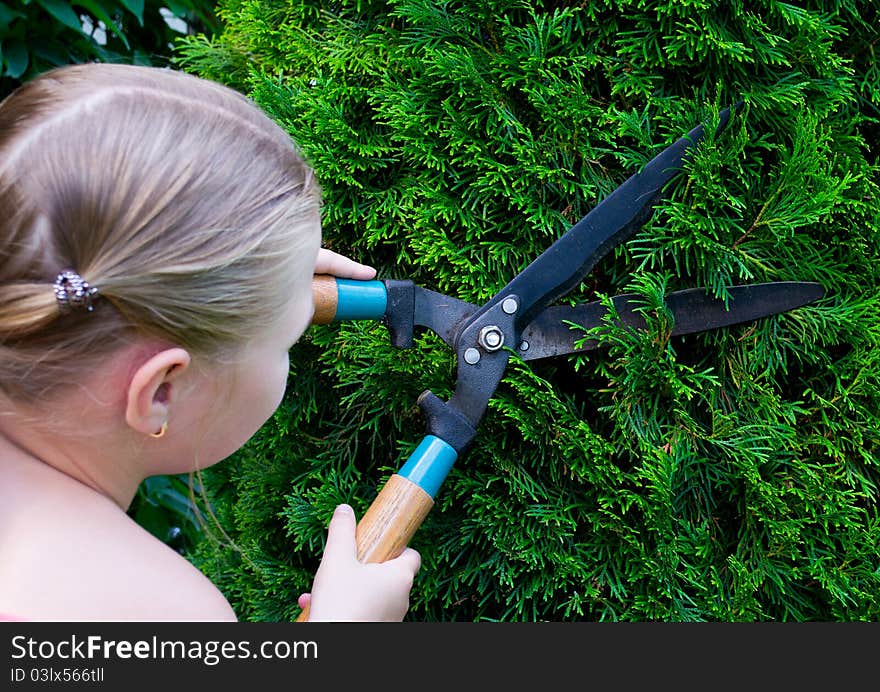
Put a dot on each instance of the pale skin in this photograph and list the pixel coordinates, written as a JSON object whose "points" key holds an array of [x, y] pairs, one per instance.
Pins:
{"points": [[70, 551]]}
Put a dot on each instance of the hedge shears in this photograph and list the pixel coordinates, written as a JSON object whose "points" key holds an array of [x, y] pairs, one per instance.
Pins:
{"points": [[522, 319]]}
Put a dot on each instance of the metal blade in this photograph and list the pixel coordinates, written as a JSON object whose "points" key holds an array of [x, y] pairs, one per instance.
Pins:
{"points": [[441, 314], [692, 311], [564, 264]]}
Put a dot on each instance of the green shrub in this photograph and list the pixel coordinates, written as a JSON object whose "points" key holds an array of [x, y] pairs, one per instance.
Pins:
{"points": [[36, 35], [724, 476]]}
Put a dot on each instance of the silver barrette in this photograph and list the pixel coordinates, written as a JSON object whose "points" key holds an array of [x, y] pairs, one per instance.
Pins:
{"points": [[72, 292]]}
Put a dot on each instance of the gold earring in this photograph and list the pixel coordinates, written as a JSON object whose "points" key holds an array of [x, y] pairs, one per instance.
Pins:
{"points": [[162, 430]]}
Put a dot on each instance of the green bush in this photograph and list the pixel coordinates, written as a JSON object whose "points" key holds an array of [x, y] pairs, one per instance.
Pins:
{"points": [[36, 35], [725, 476]]}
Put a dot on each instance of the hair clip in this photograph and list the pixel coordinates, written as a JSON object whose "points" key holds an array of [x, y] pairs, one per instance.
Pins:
{"points": [[72, 292]]}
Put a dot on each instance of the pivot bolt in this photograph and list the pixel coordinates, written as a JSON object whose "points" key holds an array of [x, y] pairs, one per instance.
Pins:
{"points": [[491, 338]]}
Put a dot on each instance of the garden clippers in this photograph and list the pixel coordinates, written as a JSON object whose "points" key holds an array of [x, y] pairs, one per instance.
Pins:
{"points": [[522, 320]]}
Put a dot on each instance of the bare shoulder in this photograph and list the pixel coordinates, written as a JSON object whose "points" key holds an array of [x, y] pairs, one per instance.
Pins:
{"points": [[99, 565], [168, 587]]}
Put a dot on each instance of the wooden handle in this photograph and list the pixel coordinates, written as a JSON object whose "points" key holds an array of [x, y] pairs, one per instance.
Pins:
{"points": [[326, 296], [391, 521]]}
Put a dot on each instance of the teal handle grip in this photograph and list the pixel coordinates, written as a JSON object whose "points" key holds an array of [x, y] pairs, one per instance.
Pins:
{"points": [[360, 300], [429, 464], [347, 299]]}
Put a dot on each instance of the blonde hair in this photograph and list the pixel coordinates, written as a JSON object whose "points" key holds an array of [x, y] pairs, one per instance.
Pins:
{"points": [[177, 198]]}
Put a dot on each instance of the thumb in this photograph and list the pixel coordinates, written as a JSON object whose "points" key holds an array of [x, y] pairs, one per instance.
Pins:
{"points": [[330, 262], [341, 533]]}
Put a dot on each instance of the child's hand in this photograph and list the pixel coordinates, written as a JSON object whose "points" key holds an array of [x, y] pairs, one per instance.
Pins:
{"points": [[346, 590], [333, 263]]}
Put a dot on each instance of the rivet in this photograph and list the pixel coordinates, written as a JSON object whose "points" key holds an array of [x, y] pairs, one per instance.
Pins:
{"points": [[471, 356]]}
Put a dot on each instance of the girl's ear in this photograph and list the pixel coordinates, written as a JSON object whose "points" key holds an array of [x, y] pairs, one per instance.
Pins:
{"points": [[152, 390]]}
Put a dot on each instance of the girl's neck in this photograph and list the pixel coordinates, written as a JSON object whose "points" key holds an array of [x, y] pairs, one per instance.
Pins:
{"points": [[66, 467]]}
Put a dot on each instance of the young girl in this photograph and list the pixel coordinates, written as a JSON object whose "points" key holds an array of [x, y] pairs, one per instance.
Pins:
{"points": [[158, 237]]}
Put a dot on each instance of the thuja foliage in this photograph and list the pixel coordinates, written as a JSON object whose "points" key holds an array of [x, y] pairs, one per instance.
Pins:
{"points": [[730, 475]]}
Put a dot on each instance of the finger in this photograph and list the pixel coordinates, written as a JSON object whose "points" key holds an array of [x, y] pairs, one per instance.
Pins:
{"points": [[333, 263], [410, 559], [304, 600], [341, 533]]}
